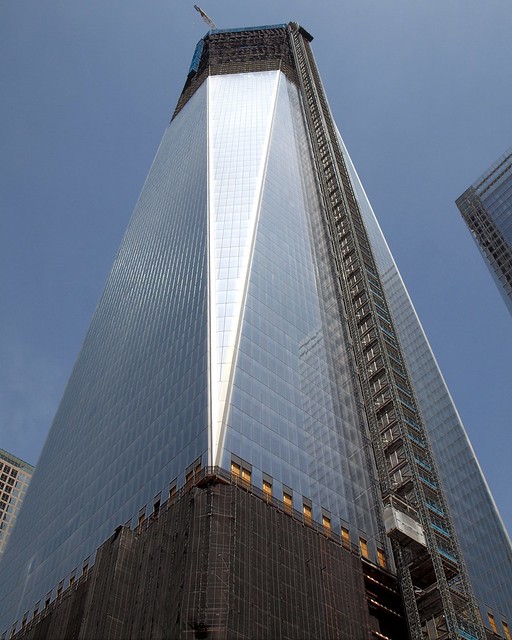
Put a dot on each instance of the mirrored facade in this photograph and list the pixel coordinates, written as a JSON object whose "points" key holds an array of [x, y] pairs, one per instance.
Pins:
{"points": [[134, 414], [293, 408]]}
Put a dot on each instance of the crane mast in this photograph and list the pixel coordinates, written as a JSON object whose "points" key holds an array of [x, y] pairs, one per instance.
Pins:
{"points": [[205, 17]]}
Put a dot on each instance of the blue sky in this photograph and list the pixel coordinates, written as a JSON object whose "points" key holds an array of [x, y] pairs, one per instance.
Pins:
{"points": [[421, 93]]}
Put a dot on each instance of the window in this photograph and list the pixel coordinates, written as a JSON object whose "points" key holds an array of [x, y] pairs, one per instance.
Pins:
{"points": [[395, 458], [60, 588], [267, 489], [192, 471], [381, 558], [246, 476], [326, 522], [307, 512], [172, 491], [506, 630], [236, 470], [492, 622], [345, 537], [142, 517], [363, 547], [288, 501]]}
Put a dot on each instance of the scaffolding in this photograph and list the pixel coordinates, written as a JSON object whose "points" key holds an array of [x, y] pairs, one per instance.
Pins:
{"points": [[436, 590], [222, 559]]}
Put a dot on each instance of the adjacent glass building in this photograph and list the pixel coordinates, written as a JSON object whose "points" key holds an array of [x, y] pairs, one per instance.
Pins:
{"points": [[487, 210], [224, 339], [15, 475]]}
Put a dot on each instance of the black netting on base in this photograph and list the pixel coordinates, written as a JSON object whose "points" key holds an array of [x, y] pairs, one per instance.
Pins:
{"points": [[218, 563]]}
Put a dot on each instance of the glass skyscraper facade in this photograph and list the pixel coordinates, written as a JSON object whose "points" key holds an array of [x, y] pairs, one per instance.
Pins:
{"points": [[487, 210], [221, 340]]}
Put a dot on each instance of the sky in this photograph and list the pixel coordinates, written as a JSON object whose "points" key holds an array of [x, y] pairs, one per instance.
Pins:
{"points": [[421, 93]]}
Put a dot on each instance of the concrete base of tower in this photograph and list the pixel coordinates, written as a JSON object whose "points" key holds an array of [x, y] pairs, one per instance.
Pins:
{"points": [[219, 561]]}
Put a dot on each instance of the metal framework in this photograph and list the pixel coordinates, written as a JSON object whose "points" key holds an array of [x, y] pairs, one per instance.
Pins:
{"points": [[437, 593]]}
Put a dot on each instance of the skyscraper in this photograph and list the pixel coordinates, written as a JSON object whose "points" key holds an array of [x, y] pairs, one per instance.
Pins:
{"points": [[487, 210], [15, 475], [251, 323]]}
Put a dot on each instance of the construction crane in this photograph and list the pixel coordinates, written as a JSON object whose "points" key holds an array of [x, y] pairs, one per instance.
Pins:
{"points": [[205, 17]]}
